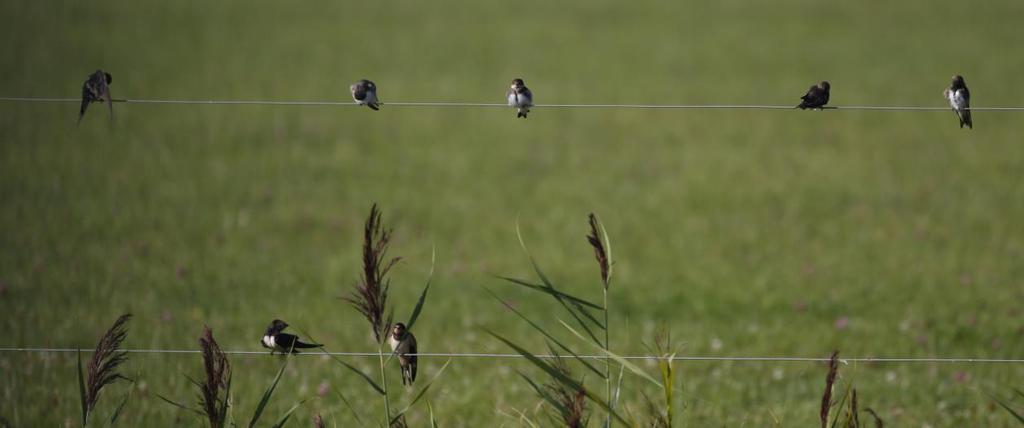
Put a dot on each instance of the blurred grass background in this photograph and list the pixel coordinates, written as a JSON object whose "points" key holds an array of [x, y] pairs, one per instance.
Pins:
{"points": [[744, 232]]}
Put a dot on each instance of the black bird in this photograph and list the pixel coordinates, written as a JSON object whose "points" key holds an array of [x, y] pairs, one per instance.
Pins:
{"points": [[403, 343], [960, 99], [816, 96], [520, 97], [277, 341], [96, 89], [364, 92]]}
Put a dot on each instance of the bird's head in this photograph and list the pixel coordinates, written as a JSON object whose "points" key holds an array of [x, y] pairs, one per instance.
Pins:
{"points": [[398, 331], [276, 326], [517, 83], [824, 85], [958, 80]]}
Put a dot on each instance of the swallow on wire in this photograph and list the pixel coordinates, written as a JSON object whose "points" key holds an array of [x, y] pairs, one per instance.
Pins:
{"points": [[960, 99], [277, 341], [520, 97], [96, 89], [816, 96], [364, 92], [403, 343]]}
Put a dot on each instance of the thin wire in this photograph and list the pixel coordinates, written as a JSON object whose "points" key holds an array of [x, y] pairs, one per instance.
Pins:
{"points": [[501, 105], [632, 357]]}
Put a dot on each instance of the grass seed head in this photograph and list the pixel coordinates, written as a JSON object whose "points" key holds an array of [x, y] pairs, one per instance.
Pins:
{"points": [[218, 379], [599, 250], [105, 360], [830, 380], [371, 292]]}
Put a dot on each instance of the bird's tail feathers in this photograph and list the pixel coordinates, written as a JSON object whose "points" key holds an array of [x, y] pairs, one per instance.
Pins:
{"points": [[303, 345]]}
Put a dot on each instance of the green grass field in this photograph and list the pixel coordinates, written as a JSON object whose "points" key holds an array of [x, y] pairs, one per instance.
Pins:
{"points": [[763, 231]]}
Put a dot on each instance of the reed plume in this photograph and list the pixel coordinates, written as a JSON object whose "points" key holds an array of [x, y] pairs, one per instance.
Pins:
{"points": [[371, 292], [215, 391], [599, 249], [830, 380], [102, 367], [568, 401]]}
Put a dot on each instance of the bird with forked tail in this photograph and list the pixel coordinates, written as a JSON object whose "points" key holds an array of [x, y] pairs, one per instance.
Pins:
{"points": [[96, 89], [816, 96], [277, 341], [520, 97], [364, 92], [960, 100], [403, 343]]}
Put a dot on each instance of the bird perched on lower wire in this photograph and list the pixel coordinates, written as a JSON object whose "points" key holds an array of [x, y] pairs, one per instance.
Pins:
{"points": [[364, 92], [277, 341], [816, 96], [403, 343], [520, 97], [96, 89], [960, 99]]}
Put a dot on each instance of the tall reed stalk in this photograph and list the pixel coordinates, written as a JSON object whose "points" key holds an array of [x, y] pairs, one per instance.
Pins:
{"points": [[603, 257], [102, 368], [369, 297], [370, 294], [585, 323]]}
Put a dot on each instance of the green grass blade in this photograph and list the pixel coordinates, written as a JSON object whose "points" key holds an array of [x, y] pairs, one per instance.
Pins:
{"points": [[544, 395], [81, 391], [878, 420], [124, 400], [225, 405], [562, 298], [558, 375], [622, 361], [553, 292], [523, 418], [618, 387], [349, 405], [548, 285], [839, 407], [287, 415], [423, 296], [266, 394], [422, 391], [366, 377], [180, 405], [547, 335], [433, 420], [668, 376], [1016, 415]]}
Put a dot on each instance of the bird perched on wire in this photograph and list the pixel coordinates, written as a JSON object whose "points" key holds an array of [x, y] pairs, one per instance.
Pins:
{"points": [[403, 343], [816, 96], [364, 92], [277, 341], [520, 97], [960, 99], [96, 89]]}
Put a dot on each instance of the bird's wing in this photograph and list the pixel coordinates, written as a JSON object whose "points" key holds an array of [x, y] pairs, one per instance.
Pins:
{"points": [[412, 358], [810, 94], [359, 92], [285, 340], [528, 94]]}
